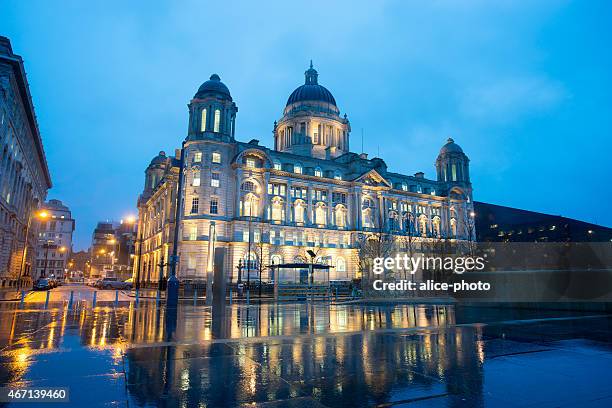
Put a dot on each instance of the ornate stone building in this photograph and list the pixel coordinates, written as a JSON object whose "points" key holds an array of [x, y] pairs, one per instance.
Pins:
{"points": [[309, 192], [24, 175]]}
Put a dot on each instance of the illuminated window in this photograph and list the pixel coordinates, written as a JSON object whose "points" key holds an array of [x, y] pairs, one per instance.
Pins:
{"points": [[340, 216], [196, 180], [214, 206], [277, 210], [297, 168], [340, 266], [299, 212], [193, 233], [337, 175], [195, 205], [277, 165], [217, 120], [404, 186], [320, 215], [454, 172], [318, 172], [216, 157], [214, 179], [197, 157], [250, 162], [203, 124]]}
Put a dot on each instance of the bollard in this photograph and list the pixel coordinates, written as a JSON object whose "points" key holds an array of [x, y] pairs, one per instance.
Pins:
{"points": [[22, 298], [230, 296], [71, 299], [47, 299], [116, 298], [95, 295], [195, 297]]}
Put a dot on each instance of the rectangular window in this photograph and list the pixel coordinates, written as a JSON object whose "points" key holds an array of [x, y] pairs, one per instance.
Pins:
{"points": [[197, 157], [250, 162], [203, 125], [216, 157], [256, 236], [196, 180], [193, 233], [214, 206], [217, 120], [277, 166], [195, 205], [214, 179], [454, 172], [272, 236], [245, 236]]}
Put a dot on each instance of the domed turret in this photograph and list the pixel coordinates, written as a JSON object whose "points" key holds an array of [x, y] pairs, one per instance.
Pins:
{"points": [[212, 112], [452, 167], [213, 87], [311, 124], [155, 172]]}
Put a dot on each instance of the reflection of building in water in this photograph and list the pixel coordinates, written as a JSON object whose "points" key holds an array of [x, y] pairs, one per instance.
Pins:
{"points": [[350, 369], [310, 191]]}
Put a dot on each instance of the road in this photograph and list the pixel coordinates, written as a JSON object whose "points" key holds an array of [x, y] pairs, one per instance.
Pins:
{"points": [[80, 293]]}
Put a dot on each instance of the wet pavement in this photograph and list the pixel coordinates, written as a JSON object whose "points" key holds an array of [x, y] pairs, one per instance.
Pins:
{"points": [[303, 355]]}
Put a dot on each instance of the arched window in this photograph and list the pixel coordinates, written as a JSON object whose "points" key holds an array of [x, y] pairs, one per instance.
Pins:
{"points": [[367, 212], [299, 211], [318, 172], [404, 186], [278, 209], [340, 215], [453, 225], [436, 226], [337, 175], [276, 259], [248, 186], [297, 168], [393, 221], [423, 225], [203, 123], [217, 124], [320, 214]]}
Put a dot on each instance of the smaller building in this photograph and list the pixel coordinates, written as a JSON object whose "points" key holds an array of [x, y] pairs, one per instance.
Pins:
{"points": [[496, 223], [54, 240], [112, 249]]}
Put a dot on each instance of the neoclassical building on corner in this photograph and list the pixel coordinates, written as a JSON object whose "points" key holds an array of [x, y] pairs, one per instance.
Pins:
{"points": [[272, 205]]}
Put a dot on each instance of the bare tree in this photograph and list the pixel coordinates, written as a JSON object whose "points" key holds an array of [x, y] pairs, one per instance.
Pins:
{"points": [[377, 243]]}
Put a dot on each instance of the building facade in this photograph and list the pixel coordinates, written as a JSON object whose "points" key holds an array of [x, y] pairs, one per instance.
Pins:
{"points": [[270, 206], [24, 175], [112, 249], [55, 240]]}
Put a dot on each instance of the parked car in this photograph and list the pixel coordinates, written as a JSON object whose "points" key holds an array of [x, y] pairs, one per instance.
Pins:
{"points": [[42, 284], [113, 283]]}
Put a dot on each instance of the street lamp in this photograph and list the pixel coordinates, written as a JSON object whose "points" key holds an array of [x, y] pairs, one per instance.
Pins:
{"points": [[40, 215]]}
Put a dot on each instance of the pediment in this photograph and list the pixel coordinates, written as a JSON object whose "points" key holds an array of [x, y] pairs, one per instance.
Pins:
{"points": [[374, 179]]}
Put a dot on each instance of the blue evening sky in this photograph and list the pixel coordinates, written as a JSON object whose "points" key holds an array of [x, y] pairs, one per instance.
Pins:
{"points": [[523, 87]]}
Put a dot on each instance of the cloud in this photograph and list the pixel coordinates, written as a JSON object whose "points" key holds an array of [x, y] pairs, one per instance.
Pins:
{"points": [[510, 98]]}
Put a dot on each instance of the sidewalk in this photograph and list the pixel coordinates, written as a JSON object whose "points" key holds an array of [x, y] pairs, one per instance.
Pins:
{"points": [[12, 294]]}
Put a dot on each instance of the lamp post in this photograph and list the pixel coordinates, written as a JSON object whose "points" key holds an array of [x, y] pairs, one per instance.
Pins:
{"points": [[172, 289], [40, 215]]}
